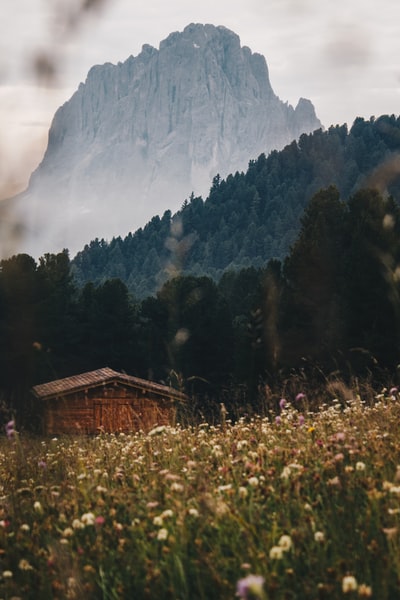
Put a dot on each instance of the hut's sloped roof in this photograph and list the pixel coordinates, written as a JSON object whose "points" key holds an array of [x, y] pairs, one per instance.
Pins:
{"points": [[68, 385]]}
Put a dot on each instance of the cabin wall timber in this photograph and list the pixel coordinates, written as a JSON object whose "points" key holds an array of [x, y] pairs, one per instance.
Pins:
{"points": [[110, 402]]}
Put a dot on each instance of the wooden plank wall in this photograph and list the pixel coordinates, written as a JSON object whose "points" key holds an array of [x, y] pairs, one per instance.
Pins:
{"points": [[106, 409]]}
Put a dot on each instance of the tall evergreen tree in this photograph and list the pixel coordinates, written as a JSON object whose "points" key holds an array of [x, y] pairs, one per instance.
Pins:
{"points": [[373, 291], [314, 270]]}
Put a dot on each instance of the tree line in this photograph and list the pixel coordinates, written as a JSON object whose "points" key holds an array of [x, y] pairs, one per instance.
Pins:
{"points": [[332, 304], [248, 218]]}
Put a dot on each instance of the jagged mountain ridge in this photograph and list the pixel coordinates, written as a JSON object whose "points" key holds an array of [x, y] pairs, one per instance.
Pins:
{"points": [[138, 137]]}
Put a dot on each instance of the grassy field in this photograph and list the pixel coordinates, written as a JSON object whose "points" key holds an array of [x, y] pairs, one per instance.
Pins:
{"points": [[290, 506]]}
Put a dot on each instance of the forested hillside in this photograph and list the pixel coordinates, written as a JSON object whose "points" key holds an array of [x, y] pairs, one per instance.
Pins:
{"points": [[249, 218], [330, 310]]}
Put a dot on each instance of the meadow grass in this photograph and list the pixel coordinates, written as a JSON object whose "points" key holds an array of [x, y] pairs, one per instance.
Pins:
{"points": [[296, 505]]}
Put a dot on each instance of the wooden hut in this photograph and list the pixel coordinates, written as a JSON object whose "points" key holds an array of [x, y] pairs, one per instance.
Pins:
{"points": [[105, 401]]}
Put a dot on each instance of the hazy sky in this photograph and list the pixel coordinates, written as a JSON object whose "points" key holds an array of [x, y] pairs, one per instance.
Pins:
{"points": [[344, 55]]}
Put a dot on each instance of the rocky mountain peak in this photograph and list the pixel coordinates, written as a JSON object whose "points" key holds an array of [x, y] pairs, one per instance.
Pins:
{"points": [[138, 137]]}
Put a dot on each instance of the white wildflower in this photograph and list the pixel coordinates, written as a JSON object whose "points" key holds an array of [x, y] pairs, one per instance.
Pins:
{"points": [[7, 574], [25, 565], [88, 518], [253, 481], [276, 553], [243, 492], [319, 536], [177, 487], [285, 542], [77, 524], [349, 584], [162, 534]]}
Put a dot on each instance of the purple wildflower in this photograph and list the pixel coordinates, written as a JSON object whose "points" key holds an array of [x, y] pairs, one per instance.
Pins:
{"points": [[282, 403], [300, 396], [301, 420], [278, 420], [42, 464], [10, 429], [250, 587]]}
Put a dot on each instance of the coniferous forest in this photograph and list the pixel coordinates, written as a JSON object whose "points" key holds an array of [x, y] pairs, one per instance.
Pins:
{"points": [[249, 218], [291, 267]]}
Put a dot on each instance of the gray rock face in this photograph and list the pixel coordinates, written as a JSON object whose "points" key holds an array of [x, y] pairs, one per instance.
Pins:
{"points": [[138, 137]]}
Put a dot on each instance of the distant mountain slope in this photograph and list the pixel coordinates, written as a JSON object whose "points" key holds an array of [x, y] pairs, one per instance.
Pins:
{"points": [[138, 137], [249, 217]]}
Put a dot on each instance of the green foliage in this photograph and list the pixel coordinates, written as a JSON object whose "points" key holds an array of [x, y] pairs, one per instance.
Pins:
{"points": [[195, 328], [342, 286], [105, 326], [249, 218], [314, 273]]}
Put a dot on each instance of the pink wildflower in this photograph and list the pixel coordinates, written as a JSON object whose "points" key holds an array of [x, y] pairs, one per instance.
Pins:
{"points": [[10, 429]]}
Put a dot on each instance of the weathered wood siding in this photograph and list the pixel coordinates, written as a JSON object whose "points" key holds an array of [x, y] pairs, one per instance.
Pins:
{"points": [[109, 408]]}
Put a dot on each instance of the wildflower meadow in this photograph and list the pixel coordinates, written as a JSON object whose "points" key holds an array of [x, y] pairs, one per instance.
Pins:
{"points": [[296, 504]]}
